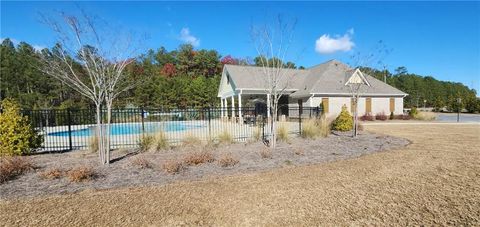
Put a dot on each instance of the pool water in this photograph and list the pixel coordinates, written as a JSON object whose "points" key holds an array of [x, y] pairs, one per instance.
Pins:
{"points": [[134, 128]]}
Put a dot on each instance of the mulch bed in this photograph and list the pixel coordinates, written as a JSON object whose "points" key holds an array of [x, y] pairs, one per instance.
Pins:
{"points": [[125, 172]]}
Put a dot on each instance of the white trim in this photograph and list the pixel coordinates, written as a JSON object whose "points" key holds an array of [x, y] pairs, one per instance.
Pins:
{"points": [[360, 74]]}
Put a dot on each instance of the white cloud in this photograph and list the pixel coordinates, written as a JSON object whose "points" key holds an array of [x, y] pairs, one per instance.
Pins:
{"points": [[186, 37], [327, 45]]}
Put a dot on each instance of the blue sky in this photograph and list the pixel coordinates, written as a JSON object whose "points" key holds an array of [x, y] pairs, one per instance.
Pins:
{"points": [[441, 39]]}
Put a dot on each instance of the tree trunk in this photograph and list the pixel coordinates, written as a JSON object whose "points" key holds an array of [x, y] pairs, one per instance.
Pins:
{"points": [[273, 123], [99, 133], [355, 116], [107, 134]]}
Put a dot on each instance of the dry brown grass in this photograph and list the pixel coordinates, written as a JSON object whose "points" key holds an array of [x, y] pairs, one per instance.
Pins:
{"points": [[173, 166], [299, 151], [51, 174], [432, 182], [81, 173], [141, 162], [227, 160], [200, 157], [13, 166], [266, 152]]}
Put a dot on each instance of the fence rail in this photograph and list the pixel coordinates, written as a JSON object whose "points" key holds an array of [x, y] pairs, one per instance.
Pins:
{"points": [[70, 129]]}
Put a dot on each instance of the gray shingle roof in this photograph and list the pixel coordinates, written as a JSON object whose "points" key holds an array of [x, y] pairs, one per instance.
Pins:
{"points": [[252, 77], [326, 78]]}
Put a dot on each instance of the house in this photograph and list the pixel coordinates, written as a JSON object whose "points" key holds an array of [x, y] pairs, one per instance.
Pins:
{"points": [[325, 84]]}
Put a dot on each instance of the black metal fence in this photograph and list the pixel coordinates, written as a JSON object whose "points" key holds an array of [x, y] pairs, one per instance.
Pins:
{"points": [[75, 129]]}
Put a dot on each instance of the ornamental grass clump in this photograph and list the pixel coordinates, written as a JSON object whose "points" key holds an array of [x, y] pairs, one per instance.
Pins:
{"points": [[225, 137], [191, 140], [146, 142], [313, 128], [161, 141], [309, 129], [282, 132], [344, 121], [17, 137]]}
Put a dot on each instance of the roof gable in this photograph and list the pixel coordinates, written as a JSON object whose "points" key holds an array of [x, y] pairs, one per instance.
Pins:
{"points": [[357, 77]]}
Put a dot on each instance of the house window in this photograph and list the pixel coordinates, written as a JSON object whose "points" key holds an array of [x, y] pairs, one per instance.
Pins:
{"points": [[228, 79], [325, 105], [392, 105], [368, 105]]}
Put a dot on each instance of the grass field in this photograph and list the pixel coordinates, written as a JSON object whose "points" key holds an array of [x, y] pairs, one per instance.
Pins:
{"points": [[433, 181]]}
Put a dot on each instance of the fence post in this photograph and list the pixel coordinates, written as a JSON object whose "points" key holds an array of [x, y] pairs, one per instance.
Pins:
{"points": [[69, 120], [209, 124], [143, 121], [300, 111]]}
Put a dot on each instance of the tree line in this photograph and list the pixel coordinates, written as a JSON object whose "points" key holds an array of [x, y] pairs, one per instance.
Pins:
{"points": [[186, 77], [428, 91]]}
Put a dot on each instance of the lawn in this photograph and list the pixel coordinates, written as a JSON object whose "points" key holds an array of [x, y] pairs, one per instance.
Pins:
{"points": [[433, 181]]}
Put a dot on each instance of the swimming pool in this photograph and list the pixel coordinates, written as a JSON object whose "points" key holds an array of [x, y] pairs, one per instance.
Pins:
{"points": [[134, 128]]}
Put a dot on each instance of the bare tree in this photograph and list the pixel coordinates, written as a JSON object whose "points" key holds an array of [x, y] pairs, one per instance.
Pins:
{"points": [[272, 43], [357, 81], [357, 84], [90, 57]]}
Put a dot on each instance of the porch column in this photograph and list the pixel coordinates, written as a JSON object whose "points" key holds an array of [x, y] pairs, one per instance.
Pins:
{"points": [[240, 108], [268, 106], [233, 107], [221, 107]]}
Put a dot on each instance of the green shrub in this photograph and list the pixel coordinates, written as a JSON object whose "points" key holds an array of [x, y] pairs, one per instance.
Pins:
{"points": [[344, 121], [426, 116], [17, 137], [392, 116], [413, 112]]}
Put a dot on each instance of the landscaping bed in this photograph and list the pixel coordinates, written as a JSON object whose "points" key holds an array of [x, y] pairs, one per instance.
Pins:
{"points": [[80, 170]]}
